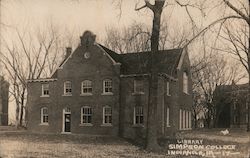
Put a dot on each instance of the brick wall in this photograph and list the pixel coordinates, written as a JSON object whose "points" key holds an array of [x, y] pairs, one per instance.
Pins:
{"points": [[96, 68]]}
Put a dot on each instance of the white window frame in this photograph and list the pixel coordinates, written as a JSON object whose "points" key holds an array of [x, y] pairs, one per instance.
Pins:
{"points": [[185, 82], [110, 86], [138, 86], [180, 119], [43, 120], [168, 88], [88, 114], [67, 83], [168, 117], [86, 84], [190, 120], [183, 119], [104, 114], [139, 114], [43, 89]]}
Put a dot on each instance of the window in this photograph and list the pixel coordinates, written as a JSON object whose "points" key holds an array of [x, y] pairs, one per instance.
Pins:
{"points": [[234, 105], [185, 82], [86, 114], [168, 89], [138, 115], [67, 88], [235, 119], [190, 120], [107, 86], [87, 87], [45, 89], [44, 115], [107, 115], [185, 119], [246, 118], [138, 86], [180, 119], [168, 124]]}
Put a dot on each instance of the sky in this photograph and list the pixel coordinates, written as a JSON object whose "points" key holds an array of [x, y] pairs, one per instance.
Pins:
{"points": [[80, 15], [73, 15]]}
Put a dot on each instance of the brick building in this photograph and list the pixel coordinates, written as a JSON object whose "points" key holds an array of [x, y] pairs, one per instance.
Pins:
{"points": [[97, 91], [4, 101], [231, 106]]}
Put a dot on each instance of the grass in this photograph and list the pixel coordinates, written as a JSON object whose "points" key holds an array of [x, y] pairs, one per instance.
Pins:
{"points": [[31, 145]]}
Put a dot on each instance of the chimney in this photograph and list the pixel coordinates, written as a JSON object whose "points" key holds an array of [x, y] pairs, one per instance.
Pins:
{"points": [[87, 39], [68, 52]]}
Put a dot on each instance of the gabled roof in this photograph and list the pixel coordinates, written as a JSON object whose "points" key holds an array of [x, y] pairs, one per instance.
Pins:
{"points": [[136, 63]]}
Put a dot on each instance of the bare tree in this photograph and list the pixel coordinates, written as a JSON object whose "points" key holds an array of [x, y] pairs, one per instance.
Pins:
{"points": [[211, 72], [235, 34], [135, 38], [30, 55]]}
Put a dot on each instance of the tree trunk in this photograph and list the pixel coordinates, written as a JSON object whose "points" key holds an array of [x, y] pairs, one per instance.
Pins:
{"points": [[248, 96], [22, 108], [152, 123]]}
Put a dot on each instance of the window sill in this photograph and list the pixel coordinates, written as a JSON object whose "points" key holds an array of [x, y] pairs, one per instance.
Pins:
{"points": [[67, 95], [138, 125], [109, 93], [138, 93], [86, 124], [44, 124], [65, 132], [44, 96], [86, 94], [107, 125]]}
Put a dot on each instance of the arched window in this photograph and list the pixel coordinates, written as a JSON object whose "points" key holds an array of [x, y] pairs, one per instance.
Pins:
{"points": [[107, 86], [185, 82], [67, 88], [44, 115], [86, 87], [107, 115], [86, 115]]}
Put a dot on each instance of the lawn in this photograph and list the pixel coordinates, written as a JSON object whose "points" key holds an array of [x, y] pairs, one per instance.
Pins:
{"points": [[29, 145]]}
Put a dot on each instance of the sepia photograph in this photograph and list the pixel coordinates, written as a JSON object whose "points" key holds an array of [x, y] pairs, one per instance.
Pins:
{"points": [[124, 78]]}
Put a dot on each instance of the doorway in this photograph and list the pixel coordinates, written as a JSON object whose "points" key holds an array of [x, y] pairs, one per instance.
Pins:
{"points": [[66, 120]]}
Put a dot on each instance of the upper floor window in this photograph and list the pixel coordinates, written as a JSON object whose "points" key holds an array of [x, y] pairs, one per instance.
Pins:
{"points": [[86, 115], [138, 115], [45, 89], [107, 115], [185, 82], [138, 86], [167, 88], [68, 88], [87, 87], [107, 86], [44, 115], [234, 105]]}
